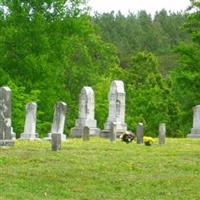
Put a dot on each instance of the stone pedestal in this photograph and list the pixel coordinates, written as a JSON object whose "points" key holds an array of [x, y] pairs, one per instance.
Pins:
{"points": [[30, 123], [195, 131], [116, 110], [56, 141], [162, 133], [6, 134], [86, 114], [58, 121], [7, 143], [86, 134], [113, 132], [77, 131], [140, 133]]}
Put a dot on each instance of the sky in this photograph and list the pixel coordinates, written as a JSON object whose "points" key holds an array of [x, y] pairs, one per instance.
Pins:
{"points": [[151, 6]]}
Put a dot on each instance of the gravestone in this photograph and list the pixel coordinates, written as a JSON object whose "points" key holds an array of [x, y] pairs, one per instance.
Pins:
{"points": [[195, 132], [116, 114], [56, 141], [30, 123], [86, 134], [58, 121], [162, 133], [86, 114], [6, 135], [113, 132], [140, 133]]}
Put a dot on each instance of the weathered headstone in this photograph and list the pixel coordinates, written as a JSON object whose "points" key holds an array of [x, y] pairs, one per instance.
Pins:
{"points": [[58, 121], [116, 109], [113, 132], [6, 134], [86, 134], [30, 123], [162, 133], [195, 132], [86, 114], [140, 133], [56, 141]]}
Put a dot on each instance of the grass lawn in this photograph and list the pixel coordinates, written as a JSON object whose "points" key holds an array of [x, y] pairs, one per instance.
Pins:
{"points": [[97, 170]]}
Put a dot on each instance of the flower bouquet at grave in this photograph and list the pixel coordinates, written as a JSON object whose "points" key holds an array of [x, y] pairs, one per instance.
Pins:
{"points": [[148, 141], [127, 137]]}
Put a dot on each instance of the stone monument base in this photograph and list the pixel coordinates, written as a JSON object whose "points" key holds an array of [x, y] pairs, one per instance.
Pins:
{"points": [[48, 138], [193, 135], [77, 132], [31, 137], [106, 133], [121, 128], [7, 142]]}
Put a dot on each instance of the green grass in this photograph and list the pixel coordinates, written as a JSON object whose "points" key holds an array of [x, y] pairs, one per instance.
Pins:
{"points": [[99, 170]]}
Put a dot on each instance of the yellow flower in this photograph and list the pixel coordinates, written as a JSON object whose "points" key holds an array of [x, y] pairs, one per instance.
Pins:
{"points": [[148, 140]]}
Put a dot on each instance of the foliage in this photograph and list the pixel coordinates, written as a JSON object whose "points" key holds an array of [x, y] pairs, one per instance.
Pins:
{"points": [[186, 75], [142, 32], [51, 49], [149, 96]]}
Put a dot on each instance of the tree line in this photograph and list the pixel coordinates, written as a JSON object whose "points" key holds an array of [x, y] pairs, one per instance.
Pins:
{"points": [[50, 49]]}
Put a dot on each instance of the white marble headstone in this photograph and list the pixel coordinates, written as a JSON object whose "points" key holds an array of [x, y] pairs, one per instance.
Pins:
{"points": [[30, 122], [6, 134], [58, 121], [195, 132], [86, 114], [116, 109]]}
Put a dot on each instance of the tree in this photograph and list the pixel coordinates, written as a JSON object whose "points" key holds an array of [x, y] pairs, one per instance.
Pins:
{"points": [[140, 32], [187, 74], [51, 47], [149, 96]]}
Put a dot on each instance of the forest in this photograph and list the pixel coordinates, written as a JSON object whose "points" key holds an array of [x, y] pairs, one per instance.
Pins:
{"points": [[51, 49]]}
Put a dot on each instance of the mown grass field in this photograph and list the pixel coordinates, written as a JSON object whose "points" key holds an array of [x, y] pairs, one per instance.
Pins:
{"points": [[97, 170]]}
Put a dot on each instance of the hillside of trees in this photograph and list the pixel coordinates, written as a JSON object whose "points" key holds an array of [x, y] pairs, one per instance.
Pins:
{"points": [[50, 49], [141, 32]]}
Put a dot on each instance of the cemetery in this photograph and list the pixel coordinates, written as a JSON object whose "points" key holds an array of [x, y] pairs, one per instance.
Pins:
{"points": [[99, 105], [81, 165], [86, 125]]}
